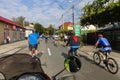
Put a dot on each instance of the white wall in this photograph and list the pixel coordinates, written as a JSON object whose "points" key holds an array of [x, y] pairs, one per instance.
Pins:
{"points": [[89, 27], [27, 32]]}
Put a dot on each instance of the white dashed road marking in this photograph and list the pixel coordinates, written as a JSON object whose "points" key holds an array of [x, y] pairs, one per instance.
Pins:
{"points": [[49, 52]]}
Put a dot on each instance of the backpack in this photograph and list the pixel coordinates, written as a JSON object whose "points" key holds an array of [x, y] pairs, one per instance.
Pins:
{"points": [[75, 38]]}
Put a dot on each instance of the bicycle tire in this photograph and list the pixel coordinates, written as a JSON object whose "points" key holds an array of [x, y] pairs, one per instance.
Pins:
{"points": [[111, 65], [2, 76], [96, 56]]}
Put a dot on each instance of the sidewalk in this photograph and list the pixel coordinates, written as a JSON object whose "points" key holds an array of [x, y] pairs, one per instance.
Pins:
{"points": [[10, 48]]}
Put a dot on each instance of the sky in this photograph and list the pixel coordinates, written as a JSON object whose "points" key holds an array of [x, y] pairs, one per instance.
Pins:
{"points": [[45, 12]]}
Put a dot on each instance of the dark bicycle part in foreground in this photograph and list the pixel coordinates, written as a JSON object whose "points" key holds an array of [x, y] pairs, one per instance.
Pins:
{"points": [[68, 65]]}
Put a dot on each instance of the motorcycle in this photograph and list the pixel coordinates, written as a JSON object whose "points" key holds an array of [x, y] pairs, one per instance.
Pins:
{"points": [[71, 64]]}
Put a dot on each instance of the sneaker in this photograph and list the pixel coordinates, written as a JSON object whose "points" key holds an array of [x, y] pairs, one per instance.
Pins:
{"points": [[103, 57]]}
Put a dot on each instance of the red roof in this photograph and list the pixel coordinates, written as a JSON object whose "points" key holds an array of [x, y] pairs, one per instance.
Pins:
{"points": [[10, 22], [66, 24]]}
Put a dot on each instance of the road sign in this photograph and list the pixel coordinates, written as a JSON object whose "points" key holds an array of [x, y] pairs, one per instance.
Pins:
{"points": [[77, 30]]}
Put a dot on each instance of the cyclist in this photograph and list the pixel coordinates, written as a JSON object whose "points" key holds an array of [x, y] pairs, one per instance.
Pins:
{"points": [[74, 43], [33, 40], [46, 38], [104, 43], [56, 38]]}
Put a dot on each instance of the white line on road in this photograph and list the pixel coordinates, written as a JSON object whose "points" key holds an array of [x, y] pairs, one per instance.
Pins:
{"points": [[49, 52]]}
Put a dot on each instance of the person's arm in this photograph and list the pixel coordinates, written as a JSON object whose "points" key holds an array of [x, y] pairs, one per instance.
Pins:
{"points": [[68, 42], [96, 44]]}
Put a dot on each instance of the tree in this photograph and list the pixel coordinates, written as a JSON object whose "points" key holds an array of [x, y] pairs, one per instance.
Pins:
{"points": [[51, 29], [101, 13], [21, 21], [39, 28]]}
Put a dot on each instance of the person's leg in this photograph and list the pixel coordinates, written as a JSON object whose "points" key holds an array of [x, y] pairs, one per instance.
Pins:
{"points": [[30, 50], [70, 51], [101, 53], [36, 51]]}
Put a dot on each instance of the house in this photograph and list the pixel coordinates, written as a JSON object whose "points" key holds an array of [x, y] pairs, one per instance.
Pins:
{"points": [[11, 29], [66, 26], [28, 31]]}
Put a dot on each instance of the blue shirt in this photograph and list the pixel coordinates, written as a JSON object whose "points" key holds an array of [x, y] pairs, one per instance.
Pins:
{"points": [[33, 38], [103, 41]]}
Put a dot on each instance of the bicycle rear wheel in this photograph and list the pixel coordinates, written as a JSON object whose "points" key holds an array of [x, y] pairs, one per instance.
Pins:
{"points": [[112, 66], [96, 58]]}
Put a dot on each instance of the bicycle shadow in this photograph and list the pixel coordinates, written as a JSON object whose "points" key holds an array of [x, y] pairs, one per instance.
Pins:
{"points": [[65, 55], [40, 54], [17, 64]]}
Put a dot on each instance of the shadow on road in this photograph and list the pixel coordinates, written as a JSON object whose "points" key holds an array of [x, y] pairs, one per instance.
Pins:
{"points": [[17, 64], [65, 55]]}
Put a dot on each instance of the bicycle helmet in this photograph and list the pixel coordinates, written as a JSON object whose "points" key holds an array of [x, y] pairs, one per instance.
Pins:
{"points": [[100, 35]]}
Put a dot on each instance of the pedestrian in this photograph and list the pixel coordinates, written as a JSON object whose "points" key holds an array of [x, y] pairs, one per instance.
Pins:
{"points": [[8, 39], [65, 38]]}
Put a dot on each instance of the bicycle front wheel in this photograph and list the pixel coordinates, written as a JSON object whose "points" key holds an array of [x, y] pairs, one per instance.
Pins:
{"points": [[96, 58], [112, 66]]}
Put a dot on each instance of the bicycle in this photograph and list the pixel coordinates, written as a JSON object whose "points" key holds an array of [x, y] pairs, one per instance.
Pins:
{"points": [[55, 42], [35, 60], [73, 52], [109, 62]]}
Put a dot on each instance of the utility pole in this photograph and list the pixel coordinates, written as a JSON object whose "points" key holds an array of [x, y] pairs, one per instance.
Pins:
{"points": [[62, 21], [73, 16]]}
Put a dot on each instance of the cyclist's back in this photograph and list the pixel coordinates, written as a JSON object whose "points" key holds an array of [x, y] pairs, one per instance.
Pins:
{"points": [[33, 40], [105, 44], [74, 42]]}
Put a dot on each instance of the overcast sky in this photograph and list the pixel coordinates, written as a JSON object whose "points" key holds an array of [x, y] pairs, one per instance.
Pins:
{"points": [[45, 12]]}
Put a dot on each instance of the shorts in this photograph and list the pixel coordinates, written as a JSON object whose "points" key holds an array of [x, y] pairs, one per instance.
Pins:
{"points": [[33, 46], [105, 49], [74, 48]]}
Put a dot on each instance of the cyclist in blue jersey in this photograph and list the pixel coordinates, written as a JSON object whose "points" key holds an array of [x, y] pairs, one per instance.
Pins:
{"points": [[104, 43], [74, 42], [33, 40]]}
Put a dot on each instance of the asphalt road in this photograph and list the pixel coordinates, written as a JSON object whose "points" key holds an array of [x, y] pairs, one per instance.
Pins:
{"points": [[52, 58]]}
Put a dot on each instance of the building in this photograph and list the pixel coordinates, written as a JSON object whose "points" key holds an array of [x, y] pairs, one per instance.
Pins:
{"points": [[66, 26], [28, 31], [11, 29]]}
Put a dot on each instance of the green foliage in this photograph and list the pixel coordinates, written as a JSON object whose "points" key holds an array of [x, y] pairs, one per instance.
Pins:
{"points": [[39, 28], [50, 29], [101, 12], [64, 31], [21, 21]]}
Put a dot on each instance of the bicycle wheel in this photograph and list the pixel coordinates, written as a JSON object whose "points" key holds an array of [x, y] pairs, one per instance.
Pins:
{"points": [[112, 66], [96, 58], [2, 76]]}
